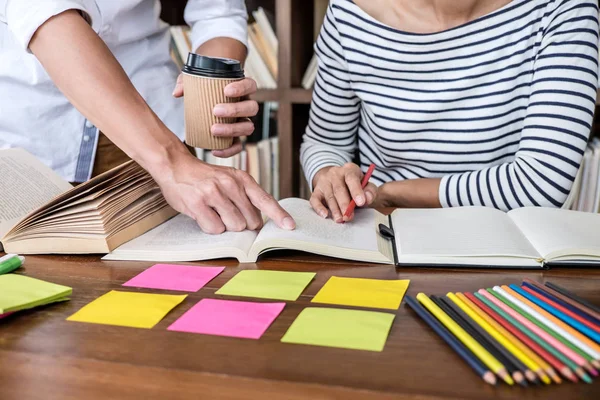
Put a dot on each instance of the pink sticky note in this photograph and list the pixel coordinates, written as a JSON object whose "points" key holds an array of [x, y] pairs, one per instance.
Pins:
{"points": [[241, 319], [185, 278], [6, 314]]}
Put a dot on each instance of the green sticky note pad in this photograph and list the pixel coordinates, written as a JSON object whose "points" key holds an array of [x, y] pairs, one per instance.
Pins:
{"points": [[19, 292], [360, 292], [136, 310], [348, 329], [262, 284]]}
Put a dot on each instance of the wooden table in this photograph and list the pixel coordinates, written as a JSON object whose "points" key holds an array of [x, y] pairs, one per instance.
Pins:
{"points": [[42, 356]]}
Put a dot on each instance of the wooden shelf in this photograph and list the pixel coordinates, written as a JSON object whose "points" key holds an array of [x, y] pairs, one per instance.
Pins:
{"points": [[299, 95], [263, 95]]}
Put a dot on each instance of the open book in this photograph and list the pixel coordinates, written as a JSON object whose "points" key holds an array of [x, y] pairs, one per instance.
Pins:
{"points": [[468, 236], [43, 214]]}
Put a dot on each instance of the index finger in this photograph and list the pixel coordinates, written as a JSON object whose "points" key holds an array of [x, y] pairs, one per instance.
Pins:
{"points": [[240, 88], [357, 192], [267, 204]]}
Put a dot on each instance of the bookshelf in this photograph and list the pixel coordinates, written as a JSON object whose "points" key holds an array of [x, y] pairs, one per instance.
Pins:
{"points": [[294, 26]]}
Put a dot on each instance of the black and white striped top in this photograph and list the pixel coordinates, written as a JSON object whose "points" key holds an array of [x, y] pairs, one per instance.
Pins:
{"points": [[501, 107]]}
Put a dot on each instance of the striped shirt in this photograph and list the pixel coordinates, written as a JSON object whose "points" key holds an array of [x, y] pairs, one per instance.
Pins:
{"points": [[500, 108]]}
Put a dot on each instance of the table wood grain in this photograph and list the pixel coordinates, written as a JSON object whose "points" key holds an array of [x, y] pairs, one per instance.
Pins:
{"points": [[42, 356]]}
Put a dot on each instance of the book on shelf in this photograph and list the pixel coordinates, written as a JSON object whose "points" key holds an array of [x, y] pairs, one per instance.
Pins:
{"points": [[308, 80], [265, 165], [266, 29], [43, 214], [310, 75], [452, 237], [585, 192], [181, 44], [261, 62], [257, 69]]}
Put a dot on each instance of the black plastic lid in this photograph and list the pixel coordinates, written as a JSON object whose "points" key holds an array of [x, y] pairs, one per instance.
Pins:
{"points": [[213, 67]]}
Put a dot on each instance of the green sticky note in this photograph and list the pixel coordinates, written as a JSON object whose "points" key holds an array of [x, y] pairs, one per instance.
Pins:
{"points": [[376, 293], [19, 292], [277, 285], [136, 310], [347, 329]]}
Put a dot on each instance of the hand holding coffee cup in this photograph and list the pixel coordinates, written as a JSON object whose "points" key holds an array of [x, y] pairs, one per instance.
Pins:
{"points": [[216, 104]]}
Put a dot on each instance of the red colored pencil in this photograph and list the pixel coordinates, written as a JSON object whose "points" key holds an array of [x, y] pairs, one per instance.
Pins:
{"points": [[364, 182]]}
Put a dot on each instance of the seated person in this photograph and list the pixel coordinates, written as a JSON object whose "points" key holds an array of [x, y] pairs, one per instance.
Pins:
{"points": [[457, 102]]}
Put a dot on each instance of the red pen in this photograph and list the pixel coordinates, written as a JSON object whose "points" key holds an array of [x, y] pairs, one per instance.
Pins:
{"points": [[364, 182]]}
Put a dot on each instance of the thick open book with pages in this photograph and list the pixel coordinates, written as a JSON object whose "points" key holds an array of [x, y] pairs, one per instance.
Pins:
{"points": [[43, 214], [468, 236]]}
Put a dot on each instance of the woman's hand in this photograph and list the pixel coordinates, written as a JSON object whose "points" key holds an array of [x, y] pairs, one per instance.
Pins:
{"points": [[335, 187], [218, 198], [242, 110]]}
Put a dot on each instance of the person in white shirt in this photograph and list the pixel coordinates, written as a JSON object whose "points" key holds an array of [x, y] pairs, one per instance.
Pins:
{"points": [[72, 71]]}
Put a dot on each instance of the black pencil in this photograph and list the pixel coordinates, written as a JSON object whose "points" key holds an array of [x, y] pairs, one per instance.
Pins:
{"points": [[529, 374], [572, 296], [470, 358], [483, 340]]}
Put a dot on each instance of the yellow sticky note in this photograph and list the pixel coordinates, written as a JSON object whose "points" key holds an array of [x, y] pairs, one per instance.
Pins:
{"points": [[375, 293], [136, 310]]}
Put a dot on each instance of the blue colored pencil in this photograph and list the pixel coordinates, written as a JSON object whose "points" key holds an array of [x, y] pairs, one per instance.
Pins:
{"points": [[558, 314], [563, 303], [487, 375]]}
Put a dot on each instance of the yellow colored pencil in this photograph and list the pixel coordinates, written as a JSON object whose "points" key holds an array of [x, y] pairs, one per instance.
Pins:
{"points": [[489, 360], [528, 362], [543, 365]]}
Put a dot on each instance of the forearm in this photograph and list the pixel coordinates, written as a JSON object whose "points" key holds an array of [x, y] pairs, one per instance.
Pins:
{"points": [[223, 47], [85, 70], [411, 193]]}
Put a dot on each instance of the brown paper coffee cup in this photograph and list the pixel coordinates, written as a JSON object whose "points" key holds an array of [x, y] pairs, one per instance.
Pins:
{"points": [[202, 94]]}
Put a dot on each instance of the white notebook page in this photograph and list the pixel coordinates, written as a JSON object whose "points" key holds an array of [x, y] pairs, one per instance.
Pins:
{"points": [[553, 230], [460, 231]]}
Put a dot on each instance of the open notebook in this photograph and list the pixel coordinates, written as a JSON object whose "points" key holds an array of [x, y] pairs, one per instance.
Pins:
{"points": [[41, 213], [468, 236]]}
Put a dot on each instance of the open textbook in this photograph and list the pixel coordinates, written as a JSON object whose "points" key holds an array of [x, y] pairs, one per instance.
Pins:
{"points": [[467, 236], [40, 213]]}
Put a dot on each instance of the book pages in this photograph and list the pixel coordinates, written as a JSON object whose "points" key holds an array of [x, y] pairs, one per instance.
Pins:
{"points": [[555, 232], [26, 184]]}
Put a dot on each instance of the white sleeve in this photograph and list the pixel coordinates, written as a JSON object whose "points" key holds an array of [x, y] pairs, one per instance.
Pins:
{"points": [[217, 18], [24, 17]]}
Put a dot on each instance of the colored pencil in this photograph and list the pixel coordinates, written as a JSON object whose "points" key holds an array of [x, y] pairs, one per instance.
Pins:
{"points": [[573, 296], [570, 354], [537, 333], [553, 356], [490, 361], [578, 306], [555, 324], [572, 319], [546, 311], [365, 181], [470, 358], [546, 360], [524, 353], [554, 302], [522, 363], [483, 338], [532, 316], [547, 293]]}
